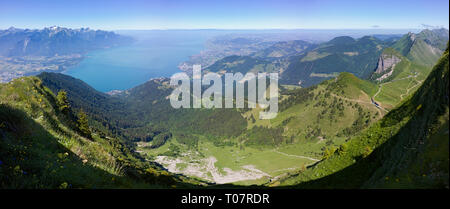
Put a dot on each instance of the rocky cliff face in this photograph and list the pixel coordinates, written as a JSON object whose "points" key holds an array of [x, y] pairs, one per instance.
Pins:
{"points": [[412, 36], [385, 62]]}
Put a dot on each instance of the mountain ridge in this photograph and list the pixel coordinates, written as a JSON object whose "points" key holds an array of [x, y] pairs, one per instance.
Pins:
{"points": [[56, 40]]}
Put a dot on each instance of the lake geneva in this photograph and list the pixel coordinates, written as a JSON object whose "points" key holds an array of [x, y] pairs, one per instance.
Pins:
{"points": [[154, 54]]}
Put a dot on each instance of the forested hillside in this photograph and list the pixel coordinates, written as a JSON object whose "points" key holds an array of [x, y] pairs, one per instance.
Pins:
{"points": [[143, 112]]}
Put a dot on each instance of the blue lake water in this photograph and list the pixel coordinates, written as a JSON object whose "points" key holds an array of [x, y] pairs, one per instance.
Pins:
{"points": [[154, 54]]}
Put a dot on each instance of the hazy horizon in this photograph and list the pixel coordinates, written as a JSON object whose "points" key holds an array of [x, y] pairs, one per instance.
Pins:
{"points": [[228, 29], [233, 14]]}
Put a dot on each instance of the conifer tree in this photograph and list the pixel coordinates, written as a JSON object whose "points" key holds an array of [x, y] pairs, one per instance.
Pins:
{"points": [[83, 124], [63, 102]]}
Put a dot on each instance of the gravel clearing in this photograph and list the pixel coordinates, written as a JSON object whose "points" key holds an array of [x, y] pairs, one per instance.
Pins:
{"points": [[206, 169]]}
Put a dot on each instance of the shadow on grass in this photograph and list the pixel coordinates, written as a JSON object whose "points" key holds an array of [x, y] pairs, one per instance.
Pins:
{"points": [[31, 157]]}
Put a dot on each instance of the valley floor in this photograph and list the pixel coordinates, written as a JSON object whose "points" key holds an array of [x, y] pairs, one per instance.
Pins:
{"points": [[232, 164]]}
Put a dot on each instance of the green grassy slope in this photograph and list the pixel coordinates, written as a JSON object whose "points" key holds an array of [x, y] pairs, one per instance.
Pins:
{"points": [[404, 44], [351, 86], [41, 147], [421, 52], [408, 148]]}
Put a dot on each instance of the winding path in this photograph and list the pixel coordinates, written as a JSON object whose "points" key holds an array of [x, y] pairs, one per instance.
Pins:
{"points": [[412, 87], [297, 156], [401, 96]]}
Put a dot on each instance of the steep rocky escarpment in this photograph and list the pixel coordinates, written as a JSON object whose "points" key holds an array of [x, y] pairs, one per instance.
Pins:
{"points": [[385, 62], [386, 65]]}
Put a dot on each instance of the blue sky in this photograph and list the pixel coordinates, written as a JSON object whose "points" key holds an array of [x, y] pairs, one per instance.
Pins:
{"points": [[230, 14]]}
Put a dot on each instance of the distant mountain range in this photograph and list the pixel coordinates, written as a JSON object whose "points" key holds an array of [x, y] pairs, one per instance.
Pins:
{"points": [[55, 40], [306, 64]]}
